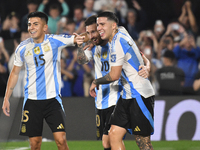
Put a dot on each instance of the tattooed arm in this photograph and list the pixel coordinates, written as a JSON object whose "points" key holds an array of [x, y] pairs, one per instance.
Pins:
{"points": [[113, 75], [81, 57]]}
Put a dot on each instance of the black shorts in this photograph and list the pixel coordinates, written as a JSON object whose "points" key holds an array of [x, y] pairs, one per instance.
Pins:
{"points": [[35, 111], [136, 114], [102, 121]]}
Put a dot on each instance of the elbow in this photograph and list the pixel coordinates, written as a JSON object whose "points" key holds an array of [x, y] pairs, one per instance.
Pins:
{"points": [[116, 77]]}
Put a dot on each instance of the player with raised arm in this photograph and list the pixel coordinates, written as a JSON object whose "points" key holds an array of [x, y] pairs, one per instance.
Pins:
{"points": [[41, 55], [108, 94], [135, 109]]}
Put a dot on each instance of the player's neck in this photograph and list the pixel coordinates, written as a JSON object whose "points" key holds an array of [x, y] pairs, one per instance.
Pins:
{"points": [[113, 34], [39, 40]]}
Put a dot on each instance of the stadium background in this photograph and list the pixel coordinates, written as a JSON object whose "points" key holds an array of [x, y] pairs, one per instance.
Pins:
{"points": [[166, 10], [80, 111]]}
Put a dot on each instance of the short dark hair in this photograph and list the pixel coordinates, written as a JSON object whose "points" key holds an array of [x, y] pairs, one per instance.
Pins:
{"points": [[91, 20], [109, 15], [38, 14], [169, 54]]}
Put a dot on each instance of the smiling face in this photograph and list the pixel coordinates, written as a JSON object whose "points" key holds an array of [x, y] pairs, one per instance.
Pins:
{"points": [[93, 34], [105, 28], [37, 28]]}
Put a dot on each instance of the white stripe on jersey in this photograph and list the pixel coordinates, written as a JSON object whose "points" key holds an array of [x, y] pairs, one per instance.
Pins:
{"points": [[125, 53], [108, 94], [42, 65]]}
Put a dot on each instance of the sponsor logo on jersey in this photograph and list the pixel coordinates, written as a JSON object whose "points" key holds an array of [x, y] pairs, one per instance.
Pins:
{"points": [[46, 48], [104, 55], [113, 58], [37, 50], [28, 53]]}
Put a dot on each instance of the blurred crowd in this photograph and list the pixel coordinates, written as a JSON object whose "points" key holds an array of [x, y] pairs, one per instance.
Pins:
{"points": [[172, 48]]}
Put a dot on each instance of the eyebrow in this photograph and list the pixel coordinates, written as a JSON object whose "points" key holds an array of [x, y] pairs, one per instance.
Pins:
{"points": [[33, 22]]}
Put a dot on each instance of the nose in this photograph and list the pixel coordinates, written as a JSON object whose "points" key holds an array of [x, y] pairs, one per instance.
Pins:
{"points": [[98, 28]]}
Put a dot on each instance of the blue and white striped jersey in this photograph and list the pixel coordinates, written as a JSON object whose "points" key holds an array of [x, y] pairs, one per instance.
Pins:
{"points": [[125, 53], [42, 65], [108, 94]]}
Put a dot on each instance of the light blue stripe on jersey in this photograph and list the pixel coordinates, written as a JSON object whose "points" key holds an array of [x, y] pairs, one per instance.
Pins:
{"points": [[40, 75], [133, 61], [106, 70], [55, 55], [27, 83]]}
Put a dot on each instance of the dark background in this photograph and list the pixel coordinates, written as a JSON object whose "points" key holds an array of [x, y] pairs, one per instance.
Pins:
{"points": [[166, 10], [80, 119]]}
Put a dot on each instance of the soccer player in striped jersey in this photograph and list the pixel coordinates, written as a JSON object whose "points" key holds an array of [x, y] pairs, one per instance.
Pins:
{"points": [[41, 56], [108, 94], [135, 107]]}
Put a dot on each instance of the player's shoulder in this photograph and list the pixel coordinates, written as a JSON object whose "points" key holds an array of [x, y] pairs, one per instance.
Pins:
{"points": [[23, 44]]}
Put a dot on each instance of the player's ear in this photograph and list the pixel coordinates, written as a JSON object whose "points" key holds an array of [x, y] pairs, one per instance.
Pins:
{"points": [[114, 26], [45, 27]]}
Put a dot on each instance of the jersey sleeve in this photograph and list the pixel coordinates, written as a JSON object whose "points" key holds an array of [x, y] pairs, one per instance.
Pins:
{"points": [[65, 40], [117, 54], [18, 60], [88, 54]]}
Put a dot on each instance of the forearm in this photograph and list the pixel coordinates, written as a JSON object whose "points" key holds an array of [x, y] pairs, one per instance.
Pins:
{"points": [[192, 21], [71, 65], [82, 59], [67, 73], [12, 81], [65, 8], [41, 7], [103, 80]]}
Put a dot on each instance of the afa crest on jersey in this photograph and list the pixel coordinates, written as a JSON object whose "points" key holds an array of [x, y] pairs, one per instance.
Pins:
{"points": [[37, 50], [104, 55], [113, 58]]}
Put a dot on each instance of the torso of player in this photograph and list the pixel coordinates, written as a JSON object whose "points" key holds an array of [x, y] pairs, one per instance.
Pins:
{"points": [[125, 53], [42, 63], [108, 94]]}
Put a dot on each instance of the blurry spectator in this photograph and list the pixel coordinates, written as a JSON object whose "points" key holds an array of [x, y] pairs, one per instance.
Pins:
{"points": [[79, 20], [62, 25], [66, 76], [10, 31], [66, 26], [159, 29], [169, 77], [188, 56], [196, 84], [19, 88], [4, 58], [54, 13], [177, 31], [166, 43], [136, 20], [147, 38], [188, 19], [147, 50], [88, 10], [119, 7], [79, 71], [32, 7]]}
